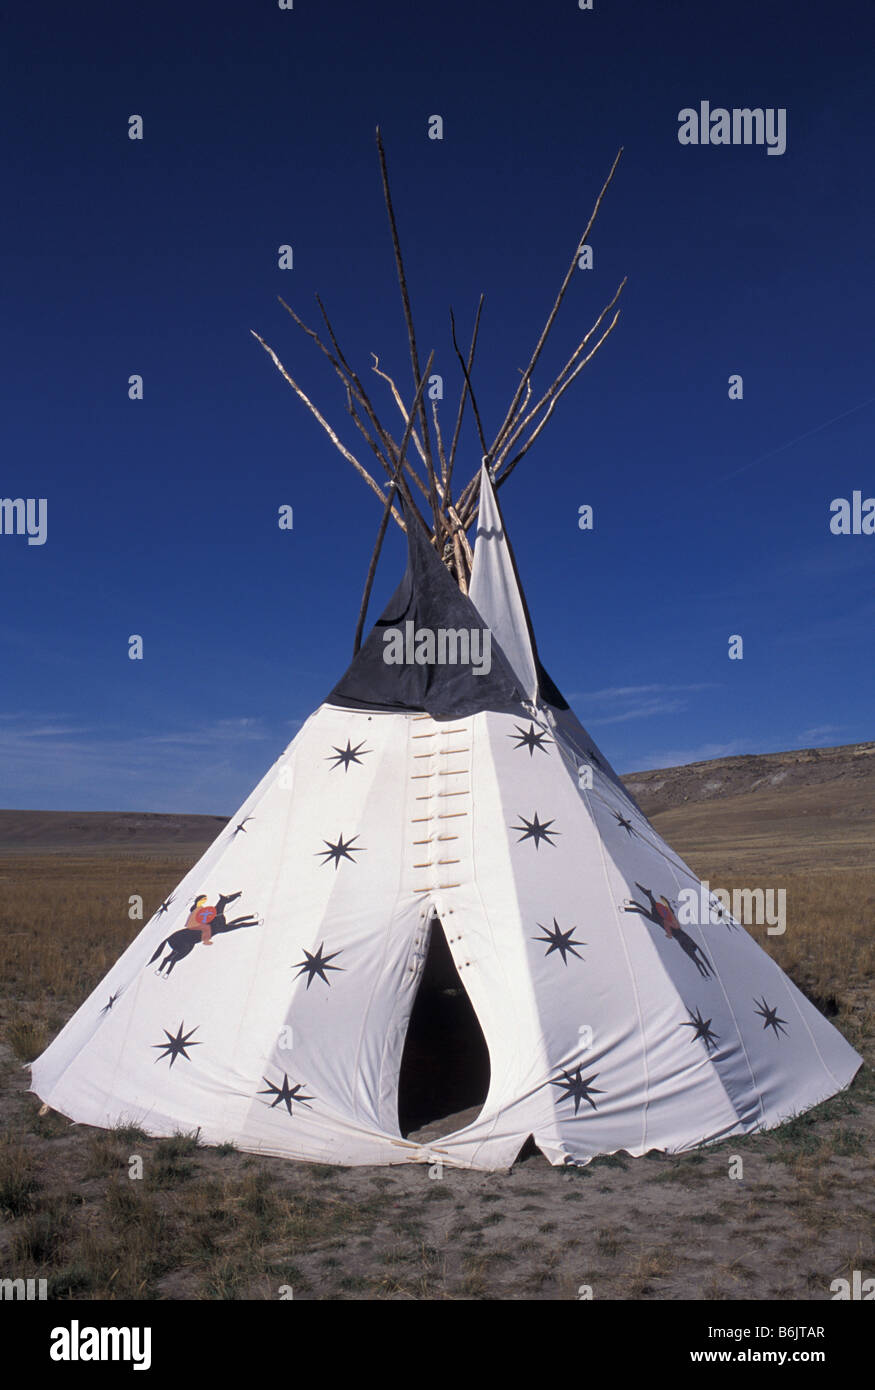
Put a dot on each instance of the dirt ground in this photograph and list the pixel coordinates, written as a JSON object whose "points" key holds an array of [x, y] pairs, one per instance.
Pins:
{"points": [[208, 1223]]}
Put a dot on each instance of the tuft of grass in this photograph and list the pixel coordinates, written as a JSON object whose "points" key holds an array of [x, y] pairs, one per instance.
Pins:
{"points": [[18, 1178], [648, 1267], [232, 1276], [437, 1192], [49, 1126], [130, 1134], [608, 1243], [609, 1161], [258, 1202], [126, 1203], [105, 1156], [352, 1283], [847, 1142], [178, 1146], [74, 1280], [125, 1257], [27, 1037], [169, 1173], [39, 1239]]}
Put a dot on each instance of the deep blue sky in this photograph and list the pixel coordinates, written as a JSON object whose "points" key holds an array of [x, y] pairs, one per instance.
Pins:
{"points": [[158, 256]]}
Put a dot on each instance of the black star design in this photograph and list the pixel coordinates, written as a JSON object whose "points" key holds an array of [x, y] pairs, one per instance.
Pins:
{"points": [[241, 828], [112, 998], [771, 1016], [316, 965], [528, 738], [626, 824], [591, 753], [165, 906], [175, 1047], [284, 1094], [348, 754], [702, 1028], [340, 851], [535, 830], [561, 941], [581, 1088]]}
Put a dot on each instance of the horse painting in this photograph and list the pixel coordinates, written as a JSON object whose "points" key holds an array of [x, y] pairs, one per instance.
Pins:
{"points": [[662, 914], [181, 943]]}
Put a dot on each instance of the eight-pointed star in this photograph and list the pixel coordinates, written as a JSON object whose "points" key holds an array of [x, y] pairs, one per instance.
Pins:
{"points": [[561, 941], [284, 1094], [342, 850], [528, 738], [316, 965], [581, 1088], [702, 1028], [348, 754], [770, 1015], [175, 1047], [536, 830]]}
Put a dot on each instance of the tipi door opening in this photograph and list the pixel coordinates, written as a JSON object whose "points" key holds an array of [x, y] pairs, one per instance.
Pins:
{"points": [[445, 1063]]}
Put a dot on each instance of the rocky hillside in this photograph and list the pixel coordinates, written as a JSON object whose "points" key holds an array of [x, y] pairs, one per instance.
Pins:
{"points": [[849, 769]]}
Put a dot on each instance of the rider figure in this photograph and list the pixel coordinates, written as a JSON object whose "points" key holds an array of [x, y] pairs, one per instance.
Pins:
{"points": [[665, 913], [200, 918]]}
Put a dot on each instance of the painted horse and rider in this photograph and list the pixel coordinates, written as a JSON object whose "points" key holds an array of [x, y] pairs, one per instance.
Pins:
{"points": [[204, 923], [662, 914]]}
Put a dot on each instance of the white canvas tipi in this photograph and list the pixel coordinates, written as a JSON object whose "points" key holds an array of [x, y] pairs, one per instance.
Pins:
{"points": [[267, 1001]]}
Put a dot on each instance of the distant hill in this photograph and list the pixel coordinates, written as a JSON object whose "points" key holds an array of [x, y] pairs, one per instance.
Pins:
{"points": [[809, 807], [98, 832], [852, 765]]}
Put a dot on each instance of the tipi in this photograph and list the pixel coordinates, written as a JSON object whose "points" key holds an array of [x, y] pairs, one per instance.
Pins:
{"points": [[443, 786]]}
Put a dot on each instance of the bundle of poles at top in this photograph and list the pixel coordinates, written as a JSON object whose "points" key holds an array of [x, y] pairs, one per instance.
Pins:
{"points": [[427, 485]]}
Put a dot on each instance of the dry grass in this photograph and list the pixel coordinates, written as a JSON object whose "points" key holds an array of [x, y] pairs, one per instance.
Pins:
{"points": [[63, 922], [18, 1180]]}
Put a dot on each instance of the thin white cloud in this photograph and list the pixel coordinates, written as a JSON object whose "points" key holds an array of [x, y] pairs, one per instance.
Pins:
{"points": [[821, 731], [55, 730], [28, 714], [219, 732], [634, 692], [647, 710]]}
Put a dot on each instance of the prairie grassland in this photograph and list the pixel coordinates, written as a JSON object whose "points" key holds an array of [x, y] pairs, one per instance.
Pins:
{"points": [[63, 922], [217, 1224]]}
